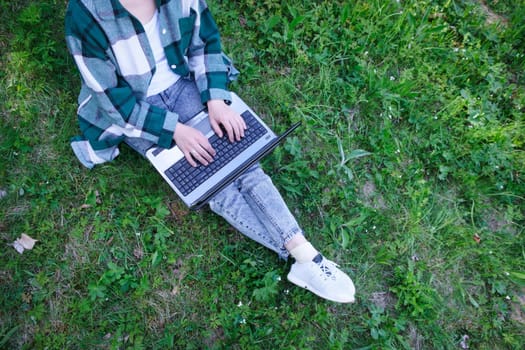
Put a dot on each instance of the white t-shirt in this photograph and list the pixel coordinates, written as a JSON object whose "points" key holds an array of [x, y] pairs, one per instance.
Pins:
{"points": [[164, 76]]}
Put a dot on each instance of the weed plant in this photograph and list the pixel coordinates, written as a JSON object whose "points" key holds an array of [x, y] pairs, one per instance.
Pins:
{"points": [[408, 170]]}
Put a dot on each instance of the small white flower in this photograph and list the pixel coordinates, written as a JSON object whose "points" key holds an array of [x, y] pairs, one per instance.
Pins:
{"points": [[373, 227], [506, 273], [240, 304], [392, 78], [507, 297], [243, 321], [278, 278]]}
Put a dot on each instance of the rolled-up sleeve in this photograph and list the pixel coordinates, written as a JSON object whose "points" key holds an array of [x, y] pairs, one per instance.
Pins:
{"points": [[205, 56]]}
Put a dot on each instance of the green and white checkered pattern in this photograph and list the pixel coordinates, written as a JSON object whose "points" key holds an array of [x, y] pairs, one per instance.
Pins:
{"points": [[116, 64]]}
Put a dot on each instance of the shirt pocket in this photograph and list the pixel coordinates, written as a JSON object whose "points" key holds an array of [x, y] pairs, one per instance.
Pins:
{"points": [[186, 26]]}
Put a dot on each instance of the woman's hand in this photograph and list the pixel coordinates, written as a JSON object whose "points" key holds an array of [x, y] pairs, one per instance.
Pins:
{"points": [[221, 114], [193, 144]]}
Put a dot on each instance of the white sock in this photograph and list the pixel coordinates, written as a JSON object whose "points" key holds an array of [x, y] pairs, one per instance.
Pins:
{"points": [[304, 252]]}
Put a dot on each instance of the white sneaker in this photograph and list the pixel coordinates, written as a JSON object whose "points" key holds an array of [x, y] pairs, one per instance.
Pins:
{"points": [[322, 277]]}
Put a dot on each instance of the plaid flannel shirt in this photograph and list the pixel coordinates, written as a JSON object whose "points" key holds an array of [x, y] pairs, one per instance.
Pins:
{"points": [[116, 64]]}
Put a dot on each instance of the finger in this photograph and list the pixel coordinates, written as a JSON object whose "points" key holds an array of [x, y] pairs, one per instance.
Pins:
{"points": [[189, 158], [239, 132], [199, 157], [216, 127], [241, 126], [204, 147], [205, 155], [243, 123], [230, 131], [208, 148]]}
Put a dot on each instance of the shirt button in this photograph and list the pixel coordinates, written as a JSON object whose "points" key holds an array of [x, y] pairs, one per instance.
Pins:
{"points": [[173, 66], [164, 31]]}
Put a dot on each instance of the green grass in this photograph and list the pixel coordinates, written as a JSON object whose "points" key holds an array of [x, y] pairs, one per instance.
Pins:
{"points": [[408, 170]]}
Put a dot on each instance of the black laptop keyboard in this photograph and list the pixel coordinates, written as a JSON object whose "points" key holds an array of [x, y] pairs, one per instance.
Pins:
{"points": [[187, 178]]}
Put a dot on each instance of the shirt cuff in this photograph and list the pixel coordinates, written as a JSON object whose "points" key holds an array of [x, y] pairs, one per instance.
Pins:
{"points": [[215, 94], [168, 129]]}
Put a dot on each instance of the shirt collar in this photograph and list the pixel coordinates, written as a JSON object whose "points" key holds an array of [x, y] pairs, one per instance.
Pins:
{"points": [[109, 10]]}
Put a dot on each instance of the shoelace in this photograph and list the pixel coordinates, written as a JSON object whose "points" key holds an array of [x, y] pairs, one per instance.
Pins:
{"points": [[326, 270], [326, 266]]}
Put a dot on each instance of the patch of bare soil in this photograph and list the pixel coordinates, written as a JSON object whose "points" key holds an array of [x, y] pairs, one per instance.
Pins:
{"points": [[497, 222], [371, 197], [384, 300], [518, 308], [492, 17]]}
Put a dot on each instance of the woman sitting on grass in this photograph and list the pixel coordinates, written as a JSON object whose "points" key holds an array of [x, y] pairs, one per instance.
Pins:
{"points": [[147, 67]]}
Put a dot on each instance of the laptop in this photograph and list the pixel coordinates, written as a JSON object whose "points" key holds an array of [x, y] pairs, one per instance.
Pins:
{"points": [[197, 185]]}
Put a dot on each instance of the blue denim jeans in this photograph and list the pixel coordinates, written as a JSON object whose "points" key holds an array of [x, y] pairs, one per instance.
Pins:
{"points": [[251, 203]]}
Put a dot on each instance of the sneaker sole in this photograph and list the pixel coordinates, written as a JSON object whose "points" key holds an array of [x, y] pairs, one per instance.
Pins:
{"points": [[308, 287]]}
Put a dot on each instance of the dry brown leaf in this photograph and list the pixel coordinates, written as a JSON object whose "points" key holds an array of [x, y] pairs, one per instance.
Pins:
{"points": [[24, 243]]}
